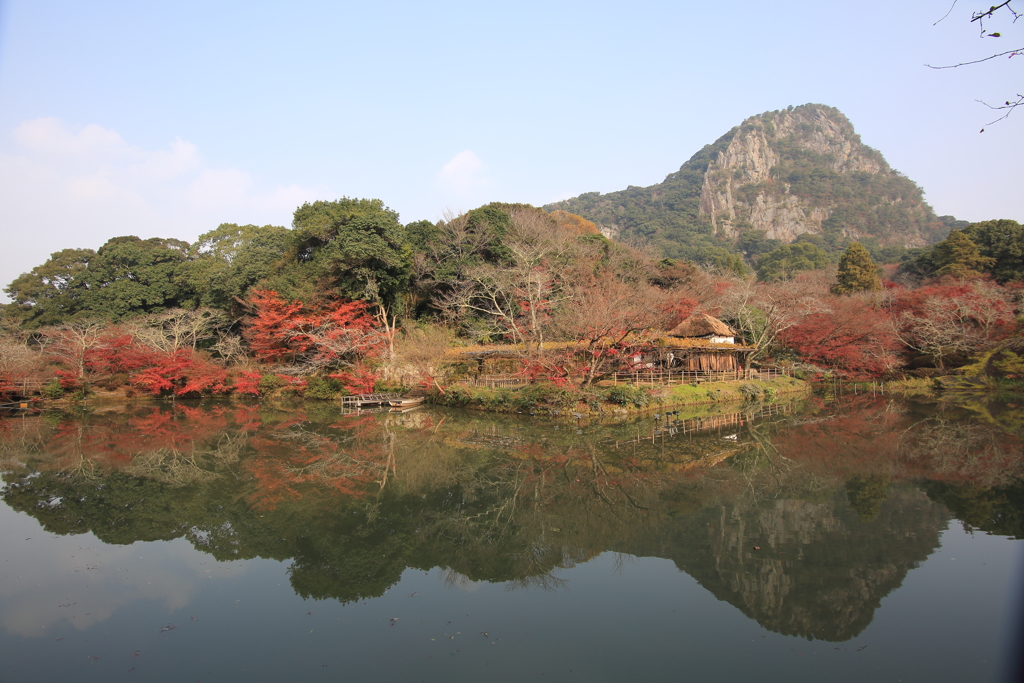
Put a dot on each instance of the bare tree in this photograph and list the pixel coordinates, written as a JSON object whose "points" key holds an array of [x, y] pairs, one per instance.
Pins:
{"points": [[979, 18], [178, 328], [70, 342], [515, 294], [761, 311], [603, 312], [18, 362], [961, 323], [419, 350]]}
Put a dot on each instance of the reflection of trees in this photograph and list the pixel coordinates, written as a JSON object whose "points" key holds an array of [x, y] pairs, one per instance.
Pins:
{"points": [[353, 502], [998, 510], [961, 451]]}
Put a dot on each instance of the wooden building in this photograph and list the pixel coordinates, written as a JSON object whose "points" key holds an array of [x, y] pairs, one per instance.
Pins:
{"points": [[703, 344], [704, 326]]}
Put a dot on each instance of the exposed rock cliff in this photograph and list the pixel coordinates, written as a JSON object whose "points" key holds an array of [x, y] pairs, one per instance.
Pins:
{"points": [[788, 172]]}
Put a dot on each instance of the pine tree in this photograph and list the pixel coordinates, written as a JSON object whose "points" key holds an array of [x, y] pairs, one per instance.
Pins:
{"points": [[958, 256], [857, 272]]}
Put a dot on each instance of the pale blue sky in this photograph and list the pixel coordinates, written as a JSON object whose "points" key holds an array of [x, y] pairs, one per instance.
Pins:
{"points": [[166, 120]]}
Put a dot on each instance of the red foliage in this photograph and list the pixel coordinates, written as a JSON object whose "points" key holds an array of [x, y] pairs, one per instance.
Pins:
{"points": [[360, 380], [679, 310], [953, 316], [981, 299], [555, 368], [204, 377], [854, 336], [69, 381], [248, 383], [183, 372], [273, 325], [119, 353], [333, 330]]}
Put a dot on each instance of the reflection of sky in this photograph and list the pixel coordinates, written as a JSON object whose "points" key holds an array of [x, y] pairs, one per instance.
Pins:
{"points": [[78, 579]]}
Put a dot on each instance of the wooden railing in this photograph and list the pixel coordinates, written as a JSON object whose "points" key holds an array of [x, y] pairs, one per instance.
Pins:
{"points": [[655, 377], [494, 381], [26, 387], [357, 400], [648, 377], [666, 425]]}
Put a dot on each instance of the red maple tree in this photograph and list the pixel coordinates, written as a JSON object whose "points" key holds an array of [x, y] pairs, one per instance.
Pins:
{"points": [[852, 335]]}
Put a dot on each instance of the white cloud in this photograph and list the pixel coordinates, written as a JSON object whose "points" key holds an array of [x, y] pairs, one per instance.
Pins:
{"points": [[62, 187], [48, 135], [180, 158], [214, 188], [464, 174]]}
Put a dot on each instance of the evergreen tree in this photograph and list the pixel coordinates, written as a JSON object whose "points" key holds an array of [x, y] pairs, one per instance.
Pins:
{"points": [[958, 256], [857, 272]]}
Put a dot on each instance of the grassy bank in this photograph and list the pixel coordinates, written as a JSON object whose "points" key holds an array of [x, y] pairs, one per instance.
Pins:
{"points": [[546, 398]]}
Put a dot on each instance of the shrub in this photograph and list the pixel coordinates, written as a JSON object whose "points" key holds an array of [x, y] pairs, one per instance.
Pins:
{"points": [[52, 389], [248, 383], [453, 396], [322, 388], [268, 383], [627, 394], [547, 396], [385, 387], [750, 391]]}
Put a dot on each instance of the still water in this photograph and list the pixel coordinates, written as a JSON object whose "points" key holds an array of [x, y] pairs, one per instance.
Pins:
{"points": [[862, 540]]}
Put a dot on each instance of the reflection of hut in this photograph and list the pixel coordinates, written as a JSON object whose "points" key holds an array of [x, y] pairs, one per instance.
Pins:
{"points": [[704, 326]]}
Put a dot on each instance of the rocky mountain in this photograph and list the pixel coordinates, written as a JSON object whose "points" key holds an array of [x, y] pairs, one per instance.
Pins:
{"points": [[800, 171]]}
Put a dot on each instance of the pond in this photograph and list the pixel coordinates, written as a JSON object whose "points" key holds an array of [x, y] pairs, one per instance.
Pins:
{"points": [[850, 540]]}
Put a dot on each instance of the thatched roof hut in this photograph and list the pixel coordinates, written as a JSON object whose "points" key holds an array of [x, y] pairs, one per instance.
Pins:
{"points": [[704, 326]]}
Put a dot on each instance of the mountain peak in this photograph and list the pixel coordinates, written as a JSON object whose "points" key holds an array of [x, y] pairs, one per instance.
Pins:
{"points": [[782, 174]]}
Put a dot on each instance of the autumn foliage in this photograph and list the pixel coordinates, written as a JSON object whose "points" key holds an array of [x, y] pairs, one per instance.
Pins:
{"points": [[853, 335], [330, 332]]}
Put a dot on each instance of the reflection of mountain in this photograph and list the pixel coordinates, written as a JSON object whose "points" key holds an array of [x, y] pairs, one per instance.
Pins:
{"points": [[821, 570]]}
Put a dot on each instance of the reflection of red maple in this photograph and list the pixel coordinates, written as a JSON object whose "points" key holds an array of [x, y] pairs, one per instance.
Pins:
{"points": [[865, 438], [284, 469]]}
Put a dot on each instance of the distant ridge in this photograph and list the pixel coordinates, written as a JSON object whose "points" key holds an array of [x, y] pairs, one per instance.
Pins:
{"points": [[797, 173]]}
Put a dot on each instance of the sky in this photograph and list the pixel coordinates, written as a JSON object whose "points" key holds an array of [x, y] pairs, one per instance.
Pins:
{"points": [[168, 119]]}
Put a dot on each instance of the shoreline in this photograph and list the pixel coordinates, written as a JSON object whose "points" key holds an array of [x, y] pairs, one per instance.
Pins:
{"points": [[616, 400]]}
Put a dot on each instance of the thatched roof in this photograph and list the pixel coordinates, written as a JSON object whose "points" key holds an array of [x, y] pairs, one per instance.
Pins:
{"points": [[702, 325]]}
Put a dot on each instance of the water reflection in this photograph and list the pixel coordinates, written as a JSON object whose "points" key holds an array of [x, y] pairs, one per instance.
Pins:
{"points": [[803, 519]]}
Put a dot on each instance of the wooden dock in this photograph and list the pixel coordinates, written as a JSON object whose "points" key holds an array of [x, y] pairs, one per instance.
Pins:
{"points": [[368, 400]]}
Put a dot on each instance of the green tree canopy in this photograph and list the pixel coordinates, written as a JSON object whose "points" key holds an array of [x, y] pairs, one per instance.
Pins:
{"points": [[857, 272], [958, 256], [130, 276], [786, 261], [753, 243], [1002, 240], [53, 292], [225, 262], [355, 247]]}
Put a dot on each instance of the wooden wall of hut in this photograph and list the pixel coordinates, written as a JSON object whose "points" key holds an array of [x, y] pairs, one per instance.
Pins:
{"points": [[706, 361]]}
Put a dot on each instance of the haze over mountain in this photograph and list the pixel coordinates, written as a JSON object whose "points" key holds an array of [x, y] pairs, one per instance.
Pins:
{"points": [[800, 173]]}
